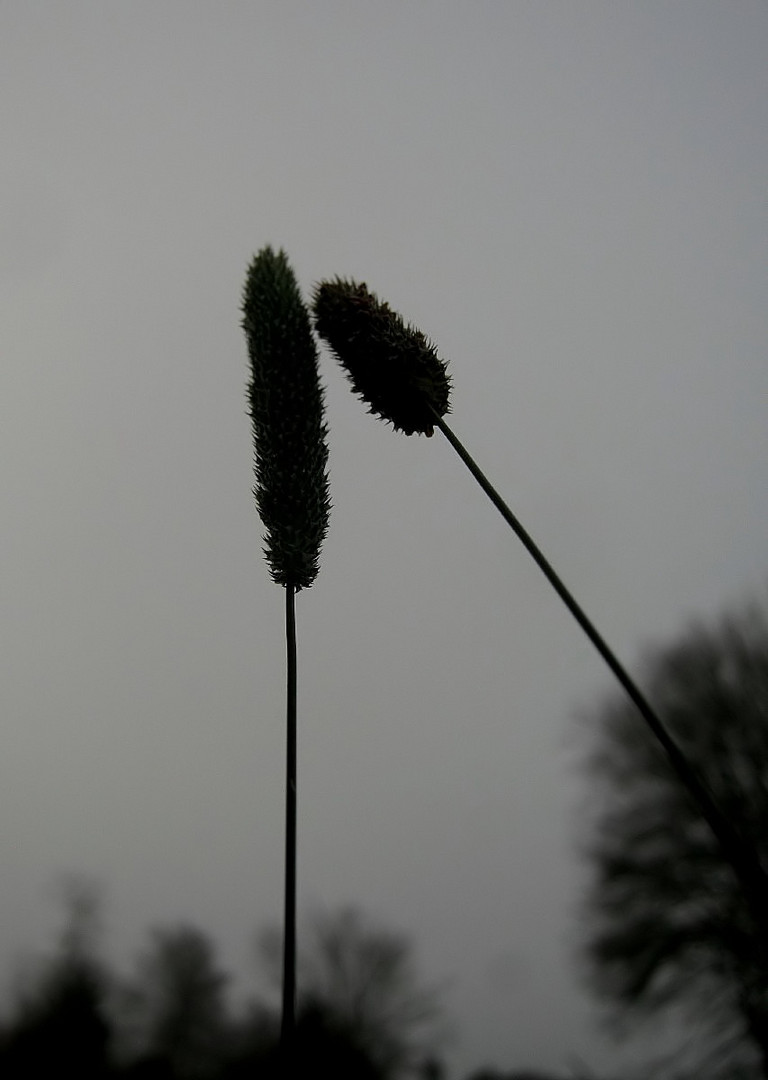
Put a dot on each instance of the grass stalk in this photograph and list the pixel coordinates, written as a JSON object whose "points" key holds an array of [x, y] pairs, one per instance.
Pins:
{"points": [[288, 1021], [741, 861], [292, 496], [396, 370]]}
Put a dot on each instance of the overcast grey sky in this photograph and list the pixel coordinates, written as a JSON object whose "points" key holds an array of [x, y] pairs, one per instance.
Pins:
{"points": [[570, 200]]}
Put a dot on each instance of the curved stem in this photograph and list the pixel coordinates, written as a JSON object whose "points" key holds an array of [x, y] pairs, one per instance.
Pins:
{"points": [[744, 865], [288, 1022]]}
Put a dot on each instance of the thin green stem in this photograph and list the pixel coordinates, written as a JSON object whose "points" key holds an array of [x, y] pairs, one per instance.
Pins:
{"points": [[743, 863], [289, 939]]}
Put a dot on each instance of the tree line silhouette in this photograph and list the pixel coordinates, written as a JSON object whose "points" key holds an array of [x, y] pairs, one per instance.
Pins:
{"points": [[362, 1012]]}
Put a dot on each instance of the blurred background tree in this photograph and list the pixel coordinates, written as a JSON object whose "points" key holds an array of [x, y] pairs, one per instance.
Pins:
{"points": [[58, 1022], [363, 1016], [361, 982], [669, 927], [173, 1010]]}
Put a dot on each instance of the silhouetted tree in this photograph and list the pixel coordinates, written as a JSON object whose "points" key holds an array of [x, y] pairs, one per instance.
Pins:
{"points": [[252, 1043], [361, 982], [174, 1008], [365, 981], [59, 1025], [670, 925], [320, 1047], [494, 1074]]}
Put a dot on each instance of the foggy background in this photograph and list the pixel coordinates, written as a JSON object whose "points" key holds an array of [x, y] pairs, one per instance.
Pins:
{"points": [[570, 200]]}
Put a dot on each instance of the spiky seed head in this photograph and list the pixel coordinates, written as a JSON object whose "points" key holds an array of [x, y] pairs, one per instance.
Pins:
{"points": [[286, 407], [391, 366]]}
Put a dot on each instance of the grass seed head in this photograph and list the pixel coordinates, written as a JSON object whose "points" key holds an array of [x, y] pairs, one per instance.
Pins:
{"points": [[285, 402], [391, 366]]}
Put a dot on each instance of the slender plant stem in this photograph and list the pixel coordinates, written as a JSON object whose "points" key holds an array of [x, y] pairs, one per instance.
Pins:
{"points": [[289, 931], [744, 865]]}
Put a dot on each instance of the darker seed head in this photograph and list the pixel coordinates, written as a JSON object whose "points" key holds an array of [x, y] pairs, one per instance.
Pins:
{"points": [[391, 366], [286, 407]]}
